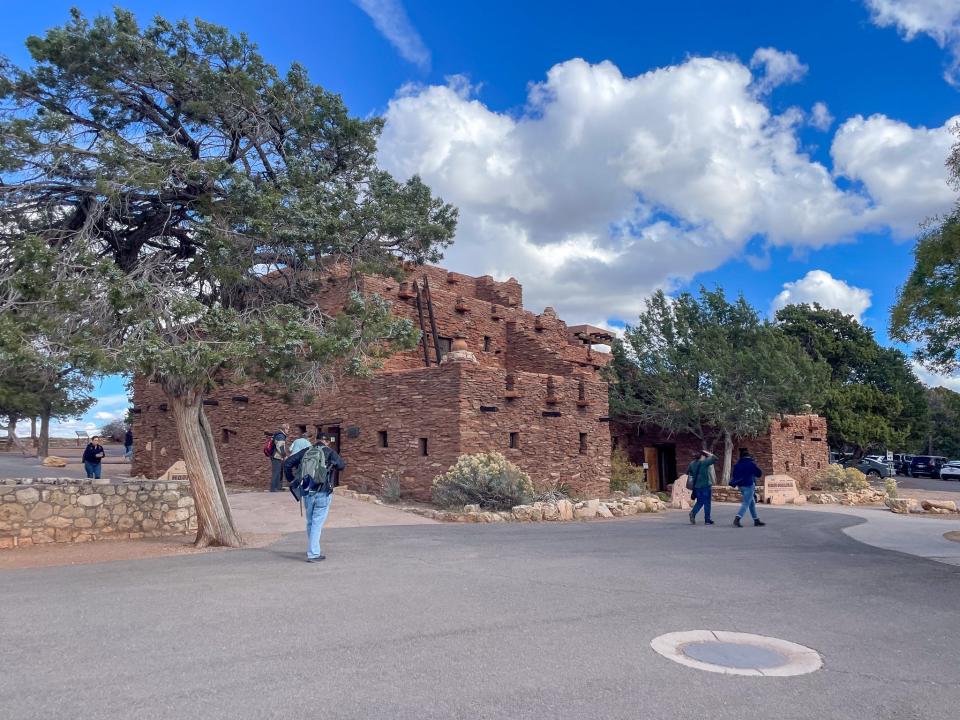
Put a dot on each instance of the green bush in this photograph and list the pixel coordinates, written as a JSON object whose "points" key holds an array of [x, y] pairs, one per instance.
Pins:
{"points": [[624, 473], [890, 485], [485, 479], [837, 478]]}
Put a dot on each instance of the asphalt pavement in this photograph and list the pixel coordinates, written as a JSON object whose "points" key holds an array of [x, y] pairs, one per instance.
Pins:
{"points": [[542, 620]]}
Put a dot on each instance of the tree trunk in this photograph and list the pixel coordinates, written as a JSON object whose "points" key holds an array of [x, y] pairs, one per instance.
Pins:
{"points": [[12, 435], [43, 447], [727, 457], [215, 524], [33, 431]]}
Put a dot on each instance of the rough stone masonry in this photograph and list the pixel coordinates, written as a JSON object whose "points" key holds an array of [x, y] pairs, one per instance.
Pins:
{"points": [[528, 387], [49, 510]]}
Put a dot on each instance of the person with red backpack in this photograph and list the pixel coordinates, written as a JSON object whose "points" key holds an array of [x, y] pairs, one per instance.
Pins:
{"points": [[276, 449]]}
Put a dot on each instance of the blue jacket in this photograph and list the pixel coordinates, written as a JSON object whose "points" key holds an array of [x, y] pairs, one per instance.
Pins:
{"points": [[745, 473]]}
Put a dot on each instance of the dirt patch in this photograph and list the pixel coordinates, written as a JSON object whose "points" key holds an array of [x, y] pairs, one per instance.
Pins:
{"points": [[60, 554], [953, 535]]}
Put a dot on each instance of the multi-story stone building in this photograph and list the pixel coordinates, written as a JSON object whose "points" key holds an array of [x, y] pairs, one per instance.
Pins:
{"points": [[489, 375]]}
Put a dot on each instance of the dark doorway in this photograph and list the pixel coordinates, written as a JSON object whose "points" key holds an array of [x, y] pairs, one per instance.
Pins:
{"points": [[666, 464]]}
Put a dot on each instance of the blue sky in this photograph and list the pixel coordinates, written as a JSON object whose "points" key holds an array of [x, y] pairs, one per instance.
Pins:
{"points": [[601, 150]]}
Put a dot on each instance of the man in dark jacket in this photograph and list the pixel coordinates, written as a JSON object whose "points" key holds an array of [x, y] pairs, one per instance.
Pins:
{"points": [[128, 444], [745, 474], [316, 498], [699, 473], [92, 456]]}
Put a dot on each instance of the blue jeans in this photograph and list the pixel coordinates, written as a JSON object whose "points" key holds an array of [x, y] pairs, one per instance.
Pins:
{"points": [[93, 469], [316, 506], [704, 497], [128, 452], [749, 501]]}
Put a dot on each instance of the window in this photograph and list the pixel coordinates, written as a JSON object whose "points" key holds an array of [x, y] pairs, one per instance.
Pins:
{"points": [[514, 441], [583, 443], [445, 345], [303, 429], [382, 437], [581, 391], [787, 464], [423, 446], [226, 436], [803, 460], [486, 343]]}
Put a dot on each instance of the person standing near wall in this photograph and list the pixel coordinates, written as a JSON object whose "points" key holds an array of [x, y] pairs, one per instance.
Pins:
{"points": [[278, 456], [92, 456], [314, 484], [699, 474], [745, 474], [128, 444]]}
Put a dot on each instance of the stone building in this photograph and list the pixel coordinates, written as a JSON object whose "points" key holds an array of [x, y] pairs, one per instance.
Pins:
{"points": [[795, 445], [488, 375]]}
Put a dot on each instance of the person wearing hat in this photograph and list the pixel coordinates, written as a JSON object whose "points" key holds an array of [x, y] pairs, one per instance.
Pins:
{"points": [[744, 477], [702, 481]]}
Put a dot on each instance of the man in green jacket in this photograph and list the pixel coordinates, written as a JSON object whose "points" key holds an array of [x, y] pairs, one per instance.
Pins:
{"points": [[699, 472]]}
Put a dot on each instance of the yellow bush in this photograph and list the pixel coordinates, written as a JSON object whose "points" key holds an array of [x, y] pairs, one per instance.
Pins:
{"points": [[485, 479], [837, 478]]}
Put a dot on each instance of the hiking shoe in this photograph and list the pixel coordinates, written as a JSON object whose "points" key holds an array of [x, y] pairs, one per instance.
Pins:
{"points": [[708, 522], [318, 558], [736, 521], [693, 518], [759, 523]]}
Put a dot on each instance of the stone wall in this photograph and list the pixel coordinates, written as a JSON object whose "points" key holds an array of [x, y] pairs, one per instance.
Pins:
{"points": [[48, 510]]}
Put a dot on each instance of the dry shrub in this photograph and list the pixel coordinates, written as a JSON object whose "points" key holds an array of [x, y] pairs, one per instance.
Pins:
{"points": [[624, 474], [485, 479], [836, 478]]}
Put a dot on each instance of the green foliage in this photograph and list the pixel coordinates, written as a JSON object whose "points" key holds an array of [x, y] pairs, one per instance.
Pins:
{"points": [[485, 479], [872, 398], [181, 202], [624, 474], [707, 367], [944, 433], [836, 478], [927, 311]]}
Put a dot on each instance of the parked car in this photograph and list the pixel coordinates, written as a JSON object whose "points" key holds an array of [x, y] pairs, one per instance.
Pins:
{"points": [[870, 467], [901, 463], [950, 470], [926, 466]]}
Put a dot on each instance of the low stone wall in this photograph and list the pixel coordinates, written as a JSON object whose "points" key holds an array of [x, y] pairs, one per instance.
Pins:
{"points": [[48, 510]]}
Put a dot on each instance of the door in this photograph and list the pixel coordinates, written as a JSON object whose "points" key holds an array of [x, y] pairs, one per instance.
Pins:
{"points": [[653, 469]]}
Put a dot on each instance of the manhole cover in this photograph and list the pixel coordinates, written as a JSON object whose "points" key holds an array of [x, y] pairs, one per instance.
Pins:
{"points": [[736, 653]]}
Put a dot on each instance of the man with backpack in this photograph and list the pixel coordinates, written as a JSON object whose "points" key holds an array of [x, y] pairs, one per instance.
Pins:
{"points": [[312, 474], [744, 477], [276, 449]]}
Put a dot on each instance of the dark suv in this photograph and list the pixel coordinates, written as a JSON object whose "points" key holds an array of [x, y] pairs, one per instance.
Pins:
{"points": [[926, 466]]}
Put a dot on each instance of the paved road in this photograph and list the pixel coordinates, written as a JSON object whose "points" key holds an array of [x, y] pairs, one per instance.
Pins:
{"points": [[486, 621], [936, 485], [15, 465]]}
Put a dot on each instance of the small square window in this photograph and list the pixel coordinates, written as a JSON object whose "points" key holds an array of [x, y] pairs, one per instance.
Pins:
{"points": [[486, 343], [423, 446], [583, 443], [514, 441], [382, 437]]}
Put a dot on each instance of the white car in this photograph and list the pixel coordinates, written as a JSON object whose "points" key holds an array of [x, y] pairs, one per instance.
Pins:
{"points": [[950, 471]]}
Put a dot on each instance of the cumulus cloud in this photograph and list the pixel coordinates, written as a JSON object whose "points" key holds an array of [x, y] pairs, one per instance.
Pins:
{"points": [[606, 187], [777, 68], [940, 19], [820, 116], [820, 287], [390, 18], [901, 167], [932, 379]]}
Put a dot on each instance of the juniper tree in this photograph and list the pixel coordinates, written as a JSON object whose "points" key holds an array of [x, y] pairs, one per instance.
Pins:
{"points": [[182, 200], [710, 368]]}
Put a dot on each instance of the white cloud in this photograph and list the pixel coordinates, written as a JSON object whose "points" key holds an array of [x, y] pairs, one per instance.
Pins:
{"points": [[932, 379], [606, 187], [107, 416], [390, 18], [820, 116], [819, 286], [778, 68], [940, 19], [901, 168]]}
